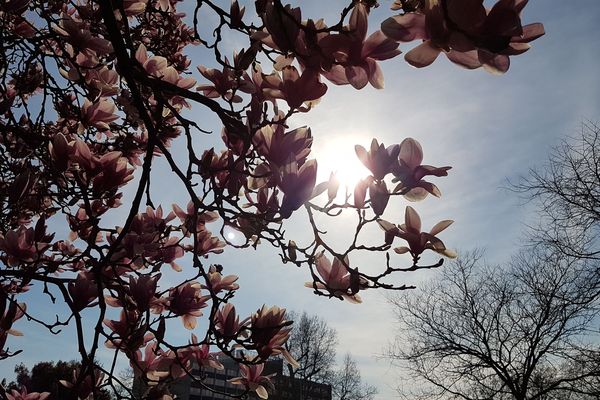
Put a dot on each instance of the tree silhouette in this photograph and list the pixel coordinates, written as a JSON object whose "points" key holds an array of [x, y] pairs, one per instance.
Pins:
{"points": [[567, 190], [348, 384], [520, 331]]}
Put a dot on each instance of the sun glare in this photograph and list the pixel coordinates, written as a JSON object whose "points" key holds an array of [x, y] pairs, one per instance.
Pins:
{"points": [[336, 154]]}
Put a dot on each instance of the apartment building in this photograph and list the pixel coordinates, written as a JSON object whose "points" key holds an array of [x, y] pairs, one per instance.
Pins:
{"points": [[217, 386]]}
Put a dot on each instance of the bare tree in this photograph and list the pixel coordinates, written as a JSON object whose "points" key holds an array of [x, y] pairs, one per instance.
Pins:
{"points": [[567, 189], [348, 383], [522, 331], [312, 343]]}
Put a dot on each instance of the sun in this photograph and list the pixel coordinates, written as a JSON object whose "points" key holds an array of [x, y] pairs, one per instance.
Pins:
{"points": [[336, 154]]}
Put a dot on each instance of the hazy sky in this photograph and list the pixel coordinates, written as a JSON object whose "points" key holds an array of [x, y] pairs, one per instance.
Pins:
{"points": [[488, 128]]}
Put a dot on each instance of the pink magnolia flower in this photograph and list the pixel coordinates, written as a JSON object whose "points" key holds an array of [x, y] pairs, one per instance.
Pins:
{"points": [[266, 203], [309, 53], [379, 195], [269, 332], [236, 13], [356, 58], [200, 354], [8, 316], [153, 365], [282, 27], [127, 335], [83, 291], [159, 67], [217, 282], [187, 302], [23, 395], [7, 98], [297, 185], [225, 83], [228, 171], [253, 380], [114, 172], [99, 114], [104, 81], [143, 291], [77, 33], [207, 243], [409, 171], [379, 159], [227, 322], [469, 34], [134, 7], [23, 245], [360, 192], [187, 218], [86, 386], [293, 87], [417, 241], [277, 146], [337, 279]]}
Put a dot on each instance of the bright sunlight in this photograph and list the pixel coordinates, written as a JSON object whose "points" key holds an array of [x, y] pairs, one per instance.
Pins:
{"points": [[336, 154]]}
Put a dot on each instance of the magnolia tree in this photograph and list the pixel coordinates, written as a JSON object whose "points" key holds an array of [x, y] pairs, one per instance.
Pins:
{"points": [[93, 93]]}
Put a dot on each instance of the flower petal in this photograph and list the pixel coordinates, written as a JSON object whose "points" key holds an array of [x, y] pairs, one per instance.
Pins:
{"points": [[422, 55], [440, 226], [412, 219], [405, 28]]}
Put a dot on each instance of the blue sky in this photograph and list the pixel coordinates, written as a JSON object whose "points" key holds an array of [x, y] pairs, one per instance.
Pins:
{"points": [[489, 128]]}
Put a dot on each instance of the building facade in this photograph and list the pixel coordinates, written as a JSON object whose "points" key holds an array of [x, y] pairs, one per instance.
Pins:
{"points": [[215, 384]]}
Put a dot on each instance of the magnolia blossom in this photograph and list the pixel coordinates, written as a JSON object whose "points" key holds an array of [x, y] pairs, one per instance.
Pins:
{"points": [[127, 335], [104, 81], [269, 332], [469, 34], [227, 322], [114, 172], [187, 302], [356, 58], [417, 241], [86, 386], [78, 34], [207, 243], [142, 291], [190, 215], [99, 114], [225, 83], [7, 317], [217, 282], [159, 67], [409, 171], [379, 159], [253, 380], [22, 245], [337, 279], [266, 203], [297, 185], [293, 87], [379, 195], [23, 395], [134, 7], [83, 291], [277, 146], [200, 354], [154, 364]]}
